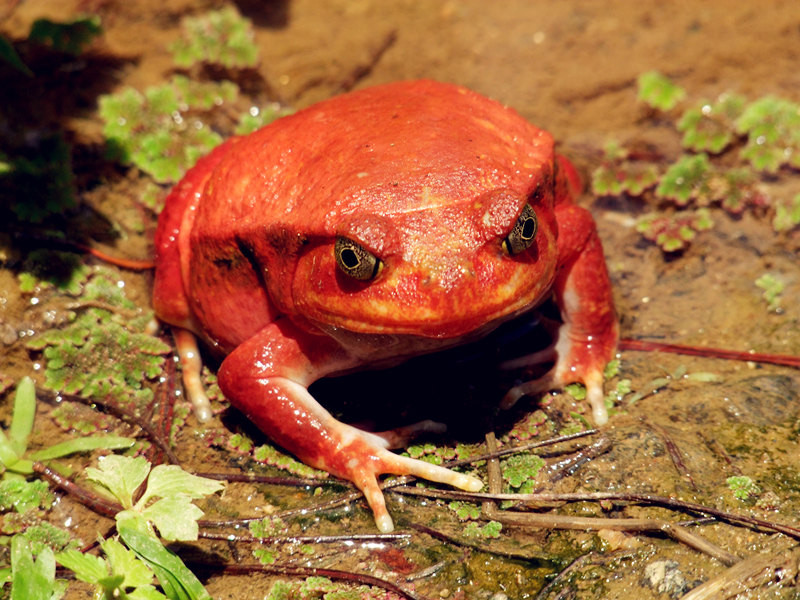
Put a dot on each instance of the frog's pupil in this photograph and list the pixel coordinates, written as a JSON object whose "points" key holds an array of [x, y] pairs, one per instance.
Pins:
{"points": [[349, 258], [528, 228]]}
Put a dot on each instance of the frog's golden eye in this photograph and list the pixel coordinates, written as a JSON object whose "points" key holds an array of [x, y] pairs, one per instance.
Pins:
{"points": [[521, 237], [356, 261]]}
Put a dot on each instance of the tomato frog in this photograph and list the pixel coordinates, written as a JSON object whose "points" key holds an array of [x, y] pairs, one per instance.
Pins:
{"points": [[365, 230]]}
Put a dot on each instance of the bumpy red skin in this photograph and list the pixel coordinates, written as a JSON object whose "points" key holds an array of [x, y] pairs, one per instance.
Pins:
{"points": [[427, 176]]}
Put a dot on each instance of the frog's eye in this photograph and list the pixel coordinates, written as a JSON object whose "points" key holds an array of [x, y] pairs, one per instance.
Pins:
{"points": [[355, 260], [521, 237]]}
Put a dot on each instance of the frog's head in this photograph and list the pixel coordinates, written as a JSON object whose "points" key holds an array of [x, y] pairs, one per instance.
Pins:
{"points": [[440, 267]]}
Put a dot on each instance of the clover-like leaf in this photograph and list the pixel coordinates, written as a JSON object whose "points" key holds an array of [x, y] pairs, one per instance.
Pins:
{"points": [[175, 517], [121, 475], [171, 480]]}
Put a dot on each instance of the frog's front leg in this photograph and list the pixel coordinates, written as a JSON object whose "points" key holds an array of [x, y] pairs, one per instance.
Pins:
{"points": [[267, 378], [587, 339]]}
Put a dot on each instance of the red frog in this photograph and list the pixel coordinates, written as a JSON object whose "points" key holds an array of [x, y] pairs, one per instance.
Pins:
{"points": [[367, 229]]}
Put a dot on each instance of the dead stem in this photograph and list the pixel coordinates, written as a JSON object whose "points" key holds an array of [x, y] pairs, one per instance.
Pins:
{"points": [[84, 496], [674, 453], [779, 566], [548, 499], [307, 539], [122, 414]]}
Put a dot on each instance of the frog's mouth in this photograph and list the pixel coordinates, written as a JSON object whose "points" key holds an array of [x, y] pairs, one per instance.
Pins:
{"points": [[395, 335]]}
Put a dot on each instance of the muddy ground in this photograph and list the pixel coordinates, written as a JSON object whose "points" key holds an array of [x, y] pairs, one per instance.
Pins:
{"points": [[570, 67]]}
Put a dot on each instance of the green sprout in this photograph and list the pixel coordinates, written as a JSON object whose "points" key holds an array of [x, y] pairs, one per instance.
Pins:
{"points": [[121, 575], [14, 454], [619, 175], [772, 126], [709, 127], [33, 578], [674, 233], [491, 529], [743, 487], [686, 180], [220, 37], [520, 471], [160, 131], [465, 511], [773, 288], [658, 91]]}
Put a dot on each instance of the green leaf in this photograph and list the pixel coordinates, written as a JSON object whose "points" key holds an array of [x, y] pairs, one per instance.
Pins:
{"points": [[171, 480], [24, 413], [125, 562], [174, 576], [685, 180], [175, 517], [87, 567], [31, 579], [83, 444], [121, 475]]}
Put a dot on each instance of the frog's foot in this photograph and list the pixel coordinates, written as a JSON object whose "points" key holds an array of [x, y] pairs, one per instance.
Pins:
{"points": [[578, 358], [363, 462], [192, 367]]}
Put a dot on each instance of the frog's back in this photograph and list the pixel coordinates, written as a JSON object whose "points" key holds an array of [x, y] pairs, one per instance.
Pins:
{"points": [[386, 149]]}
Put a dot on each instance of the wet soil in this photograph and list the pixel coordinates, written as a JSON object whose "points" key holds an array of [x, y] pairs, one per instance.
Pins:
{"points": [[569, 67]]}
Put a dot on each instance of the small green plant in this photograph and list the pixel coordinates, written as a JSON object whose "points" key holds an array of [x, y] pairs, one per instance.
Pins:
{"points": [[618, 174], [161, 131], [102, 352], [768, 133], [33, 578], [709, 126], [465, 511], [166, 505], [743, 487], [658, 91], [221, 37], [491, 529], [772, 127], [520, 471], [773, 288], [14, 455], [787, 214], [675, 232]]}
